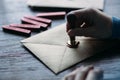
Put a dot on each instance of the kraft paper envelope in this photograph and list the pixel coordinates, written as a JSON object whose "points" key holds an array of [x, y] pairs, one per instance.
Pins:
{"points": [[50, 47], [67, 3]]}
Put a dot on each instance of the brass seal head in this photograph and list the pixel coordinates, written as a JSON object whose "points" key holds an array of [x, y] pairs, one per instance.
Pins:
{"points": [[73, 44]]}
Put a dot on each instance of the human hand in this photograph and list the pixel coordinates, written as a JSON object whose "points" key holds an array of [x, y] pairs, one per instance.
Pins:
{"points": [[85, 73], [96, 23]]}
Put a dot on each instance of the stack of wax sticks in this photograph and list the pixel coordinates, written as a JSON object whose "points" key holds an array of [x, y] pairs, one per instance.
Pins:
{"points": [[33, 23]]}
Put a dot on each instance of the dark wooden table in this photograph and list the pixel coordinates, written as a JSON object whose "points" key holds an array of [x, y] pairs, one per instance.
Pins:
{"points": [[16, 63]]}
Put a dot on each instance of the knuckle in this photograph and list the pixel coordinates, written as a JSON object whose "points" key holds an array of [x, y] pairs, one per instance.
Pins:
{"points": [[69, 77], [92, 10], [83, 71]]}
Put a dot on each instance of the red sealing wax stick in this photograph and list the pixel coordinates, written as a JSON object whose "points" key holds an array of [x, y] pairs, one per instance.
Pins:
{"points": [[16, 30], [39, 19], [30, 21], [52, 15], [26, 26]]}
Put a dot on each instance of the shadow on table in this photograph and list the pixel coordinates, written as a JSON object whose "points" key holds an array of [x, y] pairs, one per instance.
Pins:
{"points": [[49, 9]]}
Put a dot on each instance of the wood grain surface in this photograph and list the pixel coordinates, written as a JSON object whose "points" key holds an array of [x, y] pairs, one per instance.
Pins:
{"points": [[16, 63]]}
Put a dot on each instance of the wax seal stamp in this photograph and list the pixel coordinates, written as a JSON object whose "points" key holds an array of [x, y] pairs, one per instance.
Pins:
{"points": [[72, 43]]}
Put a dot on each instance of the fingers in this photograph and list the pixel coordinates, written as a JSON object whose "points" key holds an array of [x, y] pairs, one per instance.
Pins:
{"points": [[78, 74], [71, 76], [85, 73], [88, 31], [96, 24], [81, 75], [73, 21], [78, 17], [95, 74]]}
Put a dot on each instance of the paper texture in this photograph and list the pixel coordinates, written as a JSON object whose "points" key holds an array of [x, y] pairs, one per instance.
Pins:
{"points": [[50, 47], [67, 3]]}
